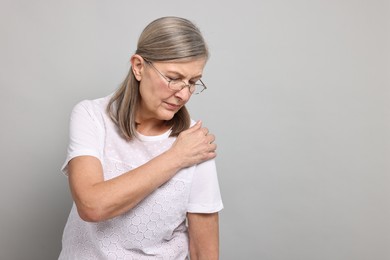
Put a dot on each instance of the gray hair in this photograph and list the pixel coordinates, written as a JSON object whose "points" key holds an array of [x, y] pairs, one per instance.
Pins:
{"points": [[171, 38]]}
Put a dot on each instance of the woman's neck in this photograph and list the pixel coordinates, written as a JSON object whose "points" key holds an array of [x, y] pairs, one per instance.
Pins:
{"points": [[154, 128]]}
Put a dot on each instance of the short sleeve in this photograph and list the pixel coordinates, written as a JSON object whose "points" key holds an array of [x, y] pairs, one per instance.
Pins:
{"points": [[84, 133], [205, 196]]}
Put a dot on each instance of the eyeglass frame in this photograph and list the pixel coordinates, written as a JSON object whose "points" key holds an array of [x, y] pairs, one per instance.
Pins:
{"points": [[177, 80]]}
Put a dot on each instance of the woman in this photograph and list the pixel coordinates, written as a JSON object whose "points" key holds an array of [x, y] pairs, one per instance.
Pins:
{"points": [[140, 170]]}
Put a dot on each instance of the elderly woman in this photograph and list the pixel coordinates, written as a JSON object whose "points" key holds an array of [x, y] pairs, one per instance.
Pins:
{"points": [[141, 172]]}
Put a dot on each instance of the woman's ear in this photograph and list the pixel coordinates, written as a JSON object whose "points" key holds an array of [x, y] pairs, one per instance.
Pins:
{"points": [[137, 65]]}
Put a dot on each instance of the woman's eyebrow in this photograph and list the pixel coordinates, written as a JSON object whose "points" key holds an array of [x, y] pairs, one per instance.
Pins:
{"points": [[182, 76]]}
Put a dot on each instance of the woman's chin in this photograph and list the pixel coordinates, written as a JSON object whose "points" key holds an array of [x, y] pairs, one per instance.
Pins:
{"points": [[167, 116]]}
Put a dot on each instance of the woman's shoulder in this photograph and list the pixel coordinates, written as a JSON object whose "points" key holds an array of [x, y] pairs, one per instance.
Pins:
{"points": [[91, 109], [96, 105]]}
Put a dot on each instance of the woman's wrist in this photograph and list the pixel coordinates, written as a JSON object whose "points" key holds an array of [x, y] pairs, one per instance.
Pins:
{"points": [[173, 159]]}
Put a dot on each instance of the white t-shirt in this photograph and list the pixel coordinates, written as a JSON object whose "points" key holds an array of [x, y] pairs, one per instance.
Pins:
{"points": [[155, 228]]}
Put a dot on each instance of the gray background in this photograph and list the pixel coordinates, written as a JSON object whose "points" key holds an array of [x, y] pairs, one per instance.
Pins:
{"points": [[298, 98]]}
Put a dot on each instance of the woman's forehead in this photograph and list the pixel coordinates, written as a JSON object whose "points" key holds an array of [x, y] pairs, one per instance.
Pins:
{"points": [[183, 65]]}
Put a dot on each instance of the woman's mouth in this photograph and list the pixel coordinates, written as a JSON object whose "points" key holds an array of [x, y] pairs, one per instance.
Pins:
{"points": [[171, 106]]}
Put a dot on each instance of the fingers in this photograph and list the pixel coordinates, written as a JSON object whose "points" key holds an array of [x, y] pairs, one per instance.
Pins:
{"points": [[211, 154], [211, 146], [210, 138]]}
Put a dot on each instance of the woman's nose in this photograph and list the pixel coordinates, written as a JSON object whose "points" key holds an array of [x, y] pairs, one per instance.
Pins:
{"points": [[184, 94]]}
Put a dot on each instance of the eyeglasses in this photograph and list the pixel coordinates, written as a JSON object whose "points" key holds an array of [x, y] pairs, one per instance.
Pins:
{"points": [[177, 85]]}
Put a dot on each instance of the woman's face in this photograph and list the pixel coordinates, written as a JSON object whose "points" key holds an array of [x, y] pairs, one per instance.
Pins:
{"points": [[158, 101]]}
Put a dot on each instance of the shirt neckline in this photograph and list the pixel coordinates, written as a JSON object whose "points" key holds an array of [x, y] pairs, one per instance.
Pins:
{"points": [[148, 138]]}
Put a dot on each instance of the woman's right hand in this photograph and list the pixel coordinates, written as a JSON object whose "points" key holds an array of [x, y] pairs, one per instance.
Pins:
{"points": [[194, 145]]}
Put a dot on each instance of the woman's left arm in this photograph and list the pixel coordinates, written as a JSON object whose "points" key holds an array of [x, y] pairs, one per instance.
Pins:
{"points": [[203, 232]]}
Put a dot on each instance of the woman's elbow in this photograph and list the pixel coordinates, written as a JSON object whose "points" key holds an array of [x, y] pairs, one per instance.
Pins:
{"points": [[89, 214]]}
